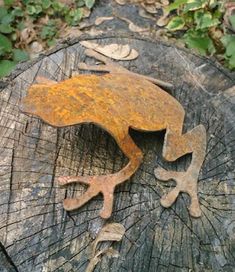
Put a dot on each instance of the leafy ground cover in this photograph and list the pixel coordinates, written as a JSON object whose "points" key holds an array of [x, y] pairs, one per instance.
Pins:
{"points": [[207, 26], [29, 26]]}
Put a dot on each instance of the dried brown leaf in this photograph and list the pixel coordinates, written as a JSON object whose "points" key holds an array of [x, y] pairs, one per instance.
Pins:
{"points": [[110, 252], [230, 91], [164, 19], [150, 8], [71, 32], [86, 12], [35, 47], [121, 2], [165, 2], [150, 1], [143, 13], [133, 27], [27, 35], [94, 32], [83, 25], [114, 51], [43, 20], [161, 34], [110, 232], [229, 11], [100, 20]]}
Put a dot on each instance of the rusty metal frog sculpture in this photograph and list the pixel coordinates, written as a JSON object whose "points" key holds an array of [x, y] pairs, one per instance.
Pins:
{"points": [[117, 101]]}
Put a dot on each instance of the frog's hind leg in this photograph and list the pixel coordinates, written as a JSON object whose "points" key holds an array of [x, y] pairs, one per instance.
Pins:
{"points": [[175, 146], [105, 184]]}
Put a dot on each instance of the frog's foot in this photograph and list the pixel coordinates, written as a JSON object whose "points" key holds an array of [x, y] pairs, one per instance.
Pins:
{"points": [[97, 184], [185, 182], [105, 184]]}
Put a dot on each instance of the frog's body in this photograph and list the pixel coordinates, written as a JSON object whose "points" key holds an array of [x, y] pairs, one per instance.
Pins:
{"points": [[116, 102], [108, 100]]}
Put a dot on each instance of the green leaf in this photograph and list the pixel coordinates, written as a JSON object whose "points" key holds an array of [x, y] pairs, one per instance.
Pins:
{"points": [[18, 12], [226, 39], [38, 9], [31, 9], [6, 29], [21, 26], [7, 19], [229, 43], [194, 5], [3, 12], [218, 14], [9, 2], [230, 49], [80, 3], [213, 3], [2, 53], [6, 66], [176, 23], [14, 36], [26, 2], [232, 21], [176, 5], [231, 62], [58, 7], [5, 44], [204, 19], [200, 41], [89, 3], [20, 55], [51, 42], [74, 16], [46, 4], [48, 31], [188, 18]]}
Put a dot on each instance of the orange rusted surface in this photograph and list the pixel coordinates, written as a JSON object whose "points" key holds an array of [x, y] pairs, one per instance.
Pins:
{"points": [[116, 102]]}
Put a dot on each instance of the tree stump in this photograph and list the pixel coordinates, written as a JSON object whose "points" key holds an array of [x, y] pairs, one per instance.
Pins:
{"points": [[37, 234]]}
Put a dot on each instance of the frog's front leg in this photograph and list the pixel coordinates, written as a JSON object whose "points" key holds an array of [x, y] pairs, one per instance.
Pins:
{"points": [[114, 67]]}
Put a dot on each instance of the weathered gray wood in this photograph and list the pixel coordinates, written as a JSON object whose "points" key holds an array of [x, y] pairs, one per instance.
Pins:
{"points": [[38, 235]]}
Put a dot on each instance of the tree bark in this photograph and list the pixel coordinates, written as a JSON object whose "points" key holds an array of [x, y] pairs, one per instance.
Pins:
{"points": [[36, 233]]}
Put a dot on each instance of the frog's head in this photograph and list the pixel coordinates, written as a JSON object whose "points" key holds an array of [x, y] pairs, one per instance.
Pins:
{"points": [[41, 102], [54, 104], [35, 99]]}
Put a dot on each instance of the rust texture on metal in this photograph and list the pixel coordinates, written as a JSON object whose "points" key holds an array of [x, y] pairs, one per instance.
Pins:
{"points": [[117, 101]]}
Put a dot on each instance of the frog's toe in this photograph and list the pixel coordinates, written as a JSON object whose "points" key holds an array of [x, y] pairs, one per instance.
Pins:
{"points": [[63, 180], [162, 174], [168, 199]]}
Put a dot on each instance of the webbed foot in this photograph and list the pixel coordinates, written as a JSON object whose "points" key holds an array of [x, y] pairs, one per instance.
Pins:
{"points": [[97, 184], [185, 182], [105, 184]]}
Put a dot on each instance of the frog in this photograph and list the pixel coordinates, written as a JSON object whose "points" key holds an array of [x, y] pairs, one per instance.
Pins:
{"points": [[118, 100]]}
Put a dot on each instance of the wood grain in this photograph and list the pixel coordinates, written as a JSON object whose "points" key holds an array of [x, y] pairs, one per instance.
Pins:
{"points": [[38, 235]]}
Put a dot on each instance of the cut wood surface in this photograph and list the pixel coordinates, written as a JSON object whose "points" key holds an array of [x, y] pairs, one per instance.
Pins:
{"points": [[36, 234]]}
